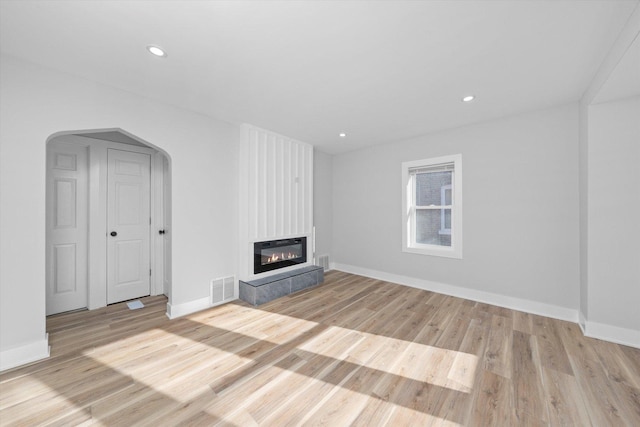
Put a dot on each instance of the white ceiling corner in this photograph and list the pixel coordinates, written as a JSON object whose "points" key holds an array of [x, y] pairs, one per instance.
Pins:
{"points": [[624, 80]]}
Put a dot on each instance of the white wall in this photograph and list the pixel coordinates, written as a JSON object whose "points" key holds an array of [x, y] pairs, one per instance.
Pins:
{"points": [[34, 104], [614, 213], [323, 201], [276, 194], [520, 231], [609, 141]]}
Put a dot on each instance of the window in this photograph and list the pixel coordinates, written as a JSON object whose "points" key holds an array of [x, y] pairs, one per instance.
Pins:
{"points": [[445, 214], [432, 206]]}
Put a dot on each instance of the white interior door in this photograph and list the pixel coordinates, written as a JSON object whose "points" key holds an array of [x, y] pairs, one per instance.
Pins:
{"points": [[128, 225], [67, 231]]}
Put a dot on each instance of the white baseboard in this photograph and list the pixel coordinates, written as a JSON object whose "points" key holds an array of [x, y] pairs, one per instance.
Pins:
{"points": [[611, 333], [24, 354], [534, 307], [178, 310]]}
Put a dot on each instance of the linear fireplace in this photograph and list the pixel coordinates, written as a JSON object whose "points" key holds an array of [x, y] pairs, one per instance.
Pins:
{"points": [[275, 254]]}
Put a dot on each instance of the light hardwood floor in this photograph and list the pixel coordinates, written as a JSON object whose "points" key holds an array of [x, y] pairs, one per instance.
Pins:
{"points": [[353, 351]]}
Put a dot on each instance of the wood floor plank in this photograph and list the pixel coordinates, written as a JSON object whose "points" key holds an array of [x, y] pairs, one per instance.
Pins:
{"points": [[185, 410], [468, 358], [497, 356], [552, 351], [375, 412], [454, 333], [564, 400], [632, 358], [493, 405], [601, 401], [618, 370], [522, 322], [317, 366], [621, 378], [352, 351], [246, 387], [305, 401], [530, 407]]}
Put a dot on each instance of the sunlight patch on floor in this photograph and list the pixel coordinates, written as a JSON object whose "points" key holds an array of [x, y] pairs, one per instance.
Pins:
{"points": [[446, 368], [409, 417], [215, 357], [273, 325], [199, 361], [15, 392]]}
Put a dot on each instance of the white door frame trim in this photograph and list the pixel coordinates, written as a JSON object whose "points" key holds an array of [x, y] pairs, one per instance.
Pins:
{"points": [[97, 275]]}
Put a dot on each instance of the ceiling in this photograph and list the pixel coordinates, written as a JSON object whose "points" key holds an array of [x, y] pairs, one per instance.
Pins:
{"points": [[378, 71], [624, 80], [113, 136]]}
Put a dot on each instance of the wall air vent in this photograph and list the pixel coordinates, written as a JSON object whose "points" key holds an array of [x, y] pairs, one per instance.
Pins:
{"points": [[323, 261], [223, 290]]}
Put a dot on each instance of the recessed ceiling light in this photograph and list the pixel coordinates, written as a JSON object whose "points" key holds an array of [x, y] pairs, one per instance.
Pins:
{"points": [[342, 135], [468, 98], [157, 51]]}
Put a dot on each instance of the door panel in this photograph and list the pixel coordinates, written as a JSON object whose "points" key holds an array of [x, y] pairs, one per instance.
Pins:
{"points": [[128, 256], [65, 203], [128, 198], [128, 221], [64, 266], [67, 227]]}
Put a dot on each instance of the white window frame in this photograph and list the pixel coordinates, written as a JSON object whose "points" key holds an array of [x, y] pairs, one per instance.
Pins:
{"points": [[408, 209], [443, 198]]}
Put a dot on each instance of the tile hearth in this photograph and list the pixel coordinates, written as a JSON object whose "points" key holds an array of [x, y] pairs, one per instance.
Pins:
{"points": [[260, 291]]}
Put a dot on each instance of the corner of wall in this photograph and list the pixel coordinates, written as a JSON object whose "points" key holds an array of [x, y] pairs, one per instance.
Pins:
{"points": [[24, 354], [582, 321], [178, 310], [615, 334], [583, 206]]}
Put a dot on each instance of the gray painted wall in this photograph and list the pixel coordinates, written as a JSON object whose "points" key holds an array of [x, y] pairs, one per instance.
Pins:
{"points": [[520, 207], [614, 213], [323, 201]]}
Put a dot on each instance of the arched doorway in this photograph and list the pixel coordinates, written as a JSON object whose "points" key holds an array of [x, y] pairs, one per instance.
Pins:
{"points": [[108, 220]]}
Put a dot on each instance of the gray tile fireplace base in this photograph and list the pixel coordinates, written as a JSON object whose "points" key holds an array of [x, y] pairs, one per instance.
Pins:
{"points": [[259, 291]]}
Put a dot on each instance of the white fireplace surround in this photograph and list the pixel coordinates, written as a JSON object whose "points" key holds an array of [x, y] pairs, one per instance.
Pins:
{"points": [[276, 194]]}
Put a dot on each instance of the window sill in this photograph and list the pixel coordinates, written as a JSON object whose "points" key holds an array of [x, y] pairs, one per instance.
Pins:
{"points": [[445, 252]]}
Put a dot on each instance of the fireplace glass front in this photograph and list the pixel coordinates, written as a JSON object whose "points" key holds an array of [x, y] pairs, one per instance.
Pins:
{"points": [[274, 254]]}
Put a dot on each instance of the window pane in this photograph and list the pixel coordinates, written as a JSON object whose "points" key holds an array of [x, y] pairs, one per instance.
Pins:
{"points": [[445, 219], [446, 196], [429, 187], [429, 229]]}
